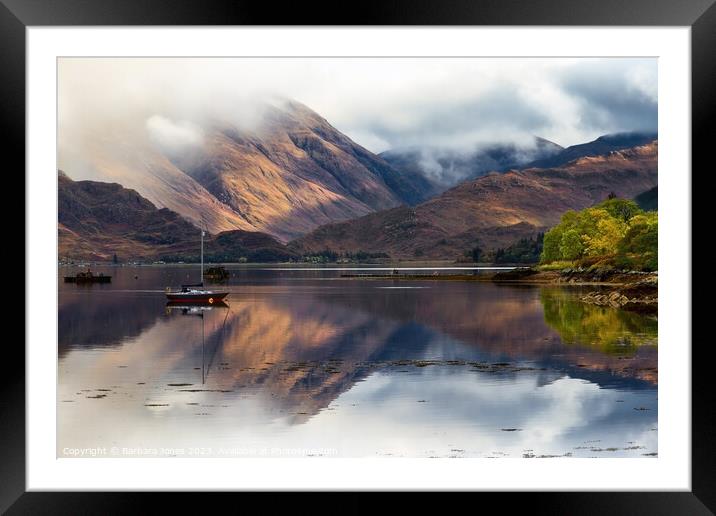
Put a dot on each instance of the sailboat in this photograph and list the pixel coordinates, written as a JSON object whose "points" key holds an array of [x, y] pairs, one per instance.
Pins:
{"points": [[196, 293]]}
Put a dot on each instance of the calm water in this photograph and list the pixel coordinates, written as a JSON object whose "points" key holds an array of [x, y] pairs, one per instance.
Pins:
{"points": [[303, 362]]}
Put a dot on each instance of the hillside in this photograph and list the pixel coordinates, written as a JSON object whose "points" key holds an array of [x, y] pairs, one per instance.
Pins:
{"points": [[100, 220], [492, 211], [648, 200], [602, 146], [284, 173]]}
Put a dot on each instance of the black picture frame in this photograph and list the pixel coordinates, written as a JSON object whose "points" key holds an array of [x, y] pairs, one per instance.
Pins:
{"points": [[17, 15]]}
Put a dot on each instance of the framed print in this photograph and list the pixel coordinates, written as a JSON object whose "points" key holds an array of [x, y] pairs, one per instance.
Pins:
{"points": [[418, 249]]}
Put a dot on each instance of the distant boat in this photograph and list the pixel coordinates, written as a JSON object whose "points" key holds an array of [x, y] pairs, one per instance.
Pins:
{"points": [[216, 273], [88, 277], [196, 293]]}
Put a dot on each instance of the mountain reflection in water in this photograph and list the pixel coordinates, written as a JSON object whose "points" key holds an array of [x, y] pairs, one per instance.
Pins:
{"points": [[305, 360]]}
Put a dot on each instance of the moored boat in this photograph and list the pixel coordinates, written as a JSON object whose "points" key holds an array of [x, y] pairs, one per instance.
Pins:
{"points": [[88, 277], [196, 293]]}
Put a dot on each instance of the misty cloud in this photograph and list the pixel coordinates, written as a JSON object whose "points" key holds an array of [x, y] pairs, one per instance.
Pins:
{"points": [[174, 137], [495, 117], [382, 104]]}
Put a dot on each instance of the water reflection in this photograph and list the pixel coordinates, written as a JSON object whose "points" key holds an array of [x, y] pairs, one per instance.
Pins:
{"points": [[606, 328], [464, 369]]}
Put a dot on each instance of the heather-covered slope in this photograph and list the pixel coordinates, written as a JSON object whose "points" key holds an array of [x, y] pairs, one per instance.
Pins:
{"points": [[100, 220], [602, 146], [492, 211]]}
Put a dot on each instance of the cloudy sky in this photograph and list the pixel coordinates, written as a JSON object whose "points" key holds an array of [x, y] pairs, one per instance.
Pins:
{"points": [[380, 103]]}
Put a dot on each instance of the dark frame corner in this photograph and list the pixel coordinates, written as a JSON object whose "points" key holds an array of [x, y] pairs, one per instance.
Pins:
{"points": [[700, 15]]}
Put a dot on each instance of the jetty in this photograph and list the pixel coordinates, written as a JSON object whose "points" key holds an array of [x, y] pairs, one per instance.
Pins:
{"points": [[396, 275]]}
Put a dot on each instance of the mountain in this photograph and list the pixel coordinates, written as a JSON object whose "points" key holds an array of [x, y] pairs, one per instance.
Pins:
{"points": [[98, 220], [492, 211], [294, 171], [234, 246], [448, 166], [649, 200], [600, 147], [284, 171]]}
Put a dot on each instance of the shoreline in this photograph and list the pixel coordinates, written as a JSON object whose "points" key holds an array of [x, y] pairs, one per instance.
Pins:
{"points": [[628, 290], [632, 290]]}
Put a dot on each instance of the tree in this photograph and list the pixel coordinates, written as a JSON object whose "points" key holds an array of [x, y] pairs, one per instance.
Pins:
{"points": [[550, 246], [615, 232], [639, 249], [623, 209], [476, 253], [570, 246], [114, 259], [608, 231]]}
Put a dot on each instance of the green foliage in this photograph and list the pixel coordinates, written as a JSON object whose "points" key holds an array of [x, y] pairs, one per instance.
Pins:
{"points": [[325, 256], [610, 330], [615, 232], [526, 250], [475, 254], [330, 256], [623, 209], [550, 246], [603, 237], [638, 248], [363, 256], [570, 245], [557, 265]]}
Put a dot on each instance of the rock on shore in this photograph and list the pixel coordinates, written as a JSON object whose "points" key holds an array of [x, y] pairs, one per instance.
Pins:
{"points": [[643, 294], [632, 290]]}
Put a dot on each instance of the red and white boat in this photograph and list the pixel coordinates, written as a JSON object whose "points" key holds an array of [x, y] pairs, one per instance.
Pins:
{"points": [[196, 294]]}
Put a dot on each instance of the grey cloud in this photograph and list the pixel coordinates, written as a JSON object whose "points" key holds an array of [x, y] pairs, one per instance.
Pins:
{"points": [[607, 100], [486, 119], [380, 103]]}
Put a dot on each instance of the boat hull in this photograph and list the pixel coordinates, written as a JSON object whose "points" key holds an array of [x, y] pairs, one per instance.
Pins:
{"points": [[191, 298]]}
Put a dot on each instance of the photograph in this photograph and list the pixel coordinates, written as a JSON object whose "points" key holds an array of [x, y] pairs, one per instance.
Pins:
{"points": [[357, 257]]}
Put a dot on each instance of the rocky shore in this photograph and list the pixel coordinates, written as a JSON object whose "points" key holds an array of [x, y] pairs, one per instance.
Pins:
{"points": [[639, 296], [632, 290]]}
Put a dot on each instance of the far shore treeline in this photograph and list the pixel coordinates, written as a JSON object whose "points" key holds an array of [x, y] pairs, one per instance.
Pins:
{"points": [[616, 234]]}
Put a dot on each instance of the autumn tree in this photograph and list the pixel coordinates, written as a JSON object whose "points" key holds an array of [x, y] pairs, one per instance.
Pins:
{"points": [[615, 231]]}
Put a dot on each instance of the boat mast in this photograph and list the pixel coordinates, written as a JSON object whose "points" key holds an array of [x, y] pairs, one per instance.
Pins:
{"points": [[201, 274], [203, 377]]}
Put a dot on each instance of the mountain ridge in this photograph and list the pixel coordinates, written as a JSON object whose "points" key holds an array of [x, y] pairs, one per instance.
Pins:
{"points": [[101, 221], [491, 211], [448, 166], [285, 174], [598, 147]]}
